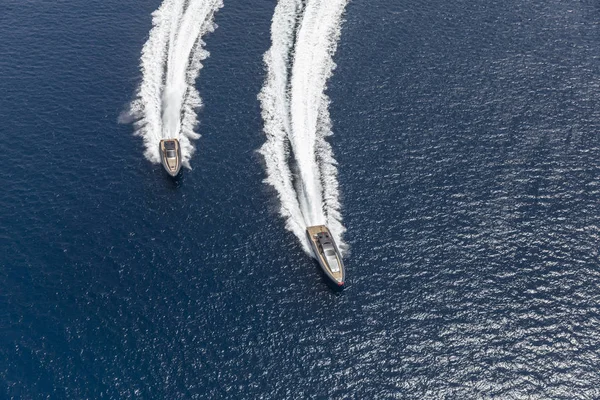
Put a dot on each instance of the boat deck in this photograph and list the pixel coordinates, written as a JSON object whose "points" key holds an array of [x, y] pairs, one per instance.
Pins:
{"points": [[171, 164], [313, 231]]}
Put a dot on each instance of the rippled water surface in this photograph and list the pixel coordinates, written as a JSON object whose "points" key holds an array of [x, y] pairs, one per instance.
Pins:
{"points": [[466, 136]]}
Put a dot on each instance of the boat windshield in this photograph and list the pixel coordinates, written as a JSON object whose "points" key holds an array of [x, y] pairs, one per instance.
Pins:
{"points": [[171, 154], [332, 260]]}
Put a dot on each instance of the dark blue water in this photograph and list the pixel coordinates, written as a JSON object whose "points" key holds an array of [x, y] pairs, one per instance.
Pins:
{"points": [[469, 156]]}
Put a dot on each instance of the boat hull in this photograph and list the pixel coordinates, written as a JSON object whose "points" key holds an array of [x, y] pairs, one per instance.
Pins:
{"points": [[171, 164], [335, 278]]}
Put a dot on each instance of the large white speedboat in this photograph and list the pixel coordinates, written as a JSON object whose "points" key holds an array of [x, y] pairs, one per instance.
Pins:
{"points": [[327, 253]]}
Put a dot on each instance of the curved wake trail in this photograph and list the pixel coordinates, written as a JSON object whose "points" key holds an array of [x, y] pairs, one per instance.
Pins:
{"points": [[299, 160], [167, 99]]}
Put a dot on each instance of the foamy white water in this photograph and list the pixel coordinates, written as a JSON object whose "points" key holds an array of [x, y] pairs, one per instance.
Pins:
{"points": [[167, 99], [304, 37]]}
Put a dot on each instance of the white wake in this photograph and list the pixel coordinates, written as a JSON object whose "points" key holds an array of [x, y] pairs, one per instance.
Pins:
{"points": [[299, 160], [167, 99]]}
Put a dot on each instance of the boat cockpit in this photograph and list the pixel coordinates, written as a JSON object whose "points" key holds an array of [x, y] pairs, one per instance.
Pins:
{"points": [[329, 251]]}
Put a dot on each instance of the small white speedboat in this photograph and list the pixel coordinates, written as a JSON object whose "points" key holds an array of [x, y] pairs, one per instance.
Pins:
{"points": [[170, 155]]}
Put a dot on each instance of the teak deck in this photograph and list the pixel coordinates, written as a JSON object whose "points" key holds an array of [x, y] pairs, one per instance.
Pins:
{"points": [[171, 165], [312, 232]]}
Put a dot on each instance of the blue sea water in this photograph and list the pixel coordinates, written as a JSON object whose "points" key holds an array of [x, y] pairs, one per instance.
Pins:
{"points": [[466, 135]]}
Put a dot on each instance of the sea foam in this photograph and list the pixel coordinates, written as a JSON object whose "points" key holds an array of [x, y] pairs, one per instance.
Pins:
{"points": [[167, 100], [299, 160]]}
